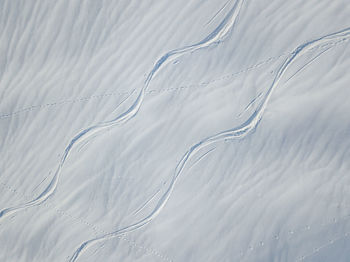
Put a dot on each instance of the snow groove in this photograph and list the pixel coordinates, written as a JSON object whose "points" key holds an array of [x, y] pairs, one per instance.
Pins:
{"points": [[234, 133], [105, 95], [216, 36], [96, 229], [218, 12], [82, 221]]}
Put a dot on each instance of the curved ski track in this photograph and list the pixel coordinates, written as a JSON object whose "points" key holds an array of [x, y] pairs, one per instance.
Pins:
{"points": [[237, 132], [216, 36]]}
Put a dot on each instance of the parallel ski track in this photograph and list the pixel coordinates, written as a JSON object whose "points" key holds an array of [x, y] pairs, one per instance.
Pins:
{"points": [[216, 36], [84, 136], [241, 131], [235, 133]]}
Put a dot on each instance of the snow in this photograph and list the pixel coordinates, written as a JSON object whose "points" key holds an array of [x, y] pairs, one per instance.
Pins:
{"points": [[174, 130]]}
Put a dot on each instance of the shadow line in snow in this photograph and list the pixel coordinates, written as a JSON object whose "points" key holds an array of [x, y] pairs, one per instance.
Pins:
{"points": [[171, 89], [215, 37], [234, 133], [219, 34]]}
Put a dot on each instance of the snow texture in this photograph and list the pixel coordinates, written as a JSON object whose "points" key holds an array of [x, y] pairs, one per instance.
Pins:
{"points": [[174, 130]]}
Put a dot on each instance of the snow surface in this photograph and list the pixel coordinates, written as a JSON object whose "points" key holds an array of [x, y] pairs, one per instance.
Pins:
{"points": [[174, 130]]}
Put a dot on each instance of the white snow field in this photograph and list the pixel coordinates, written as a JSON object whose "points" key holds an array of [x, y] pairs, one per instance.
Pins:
{"points": [[175, 131]]}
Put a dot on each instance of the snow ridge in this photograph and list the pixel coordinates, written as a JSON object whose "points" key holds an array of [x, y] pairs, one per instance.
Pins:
{"points": [[234, 133], [84, 136]]}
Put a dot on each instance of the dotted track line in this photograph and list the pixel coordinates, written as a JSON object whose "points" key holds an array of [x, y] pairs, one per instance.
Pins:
{"points": [[133, 243], [225, 77], [318, 249], [300, 230], [95, 228], [291, 233]]}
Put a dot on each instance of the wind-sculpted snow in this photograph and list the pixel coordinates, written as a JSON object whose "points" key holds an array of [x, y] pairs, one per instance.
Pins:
{"points": [[234, 133], [216, 36], [243, 160]]}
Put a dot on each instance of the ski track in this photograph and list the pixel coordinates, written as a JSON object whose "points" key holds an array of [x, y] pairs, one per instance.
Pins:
{"points": [[145, 204], [182, 87], [237, 132], [202, 156], [214, 37], [307, 64], [250, 104], [293, 232], [40, 183], [216, 14]]}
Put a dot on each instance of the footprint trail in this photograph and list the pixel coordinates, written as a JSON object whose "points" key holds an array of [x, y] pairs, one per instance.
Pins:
{"points": [[234, 133], [216, 36]]}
